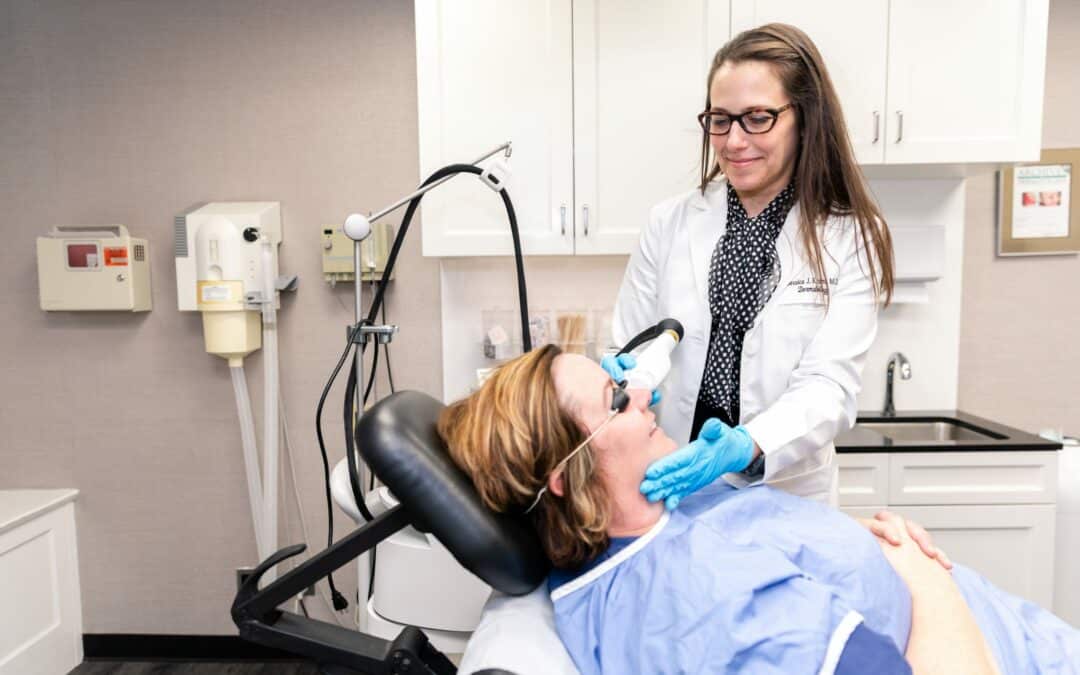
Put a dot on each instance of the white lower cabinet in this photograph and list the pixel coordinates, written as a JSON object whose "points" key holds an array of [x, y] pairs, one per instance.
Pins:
{"points": [[990, 511], [40, 607]]}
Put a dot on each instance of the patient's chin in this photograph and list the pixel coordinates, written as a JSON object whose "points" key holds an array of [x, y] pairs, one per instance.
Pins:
{"points": [[661, 445]]}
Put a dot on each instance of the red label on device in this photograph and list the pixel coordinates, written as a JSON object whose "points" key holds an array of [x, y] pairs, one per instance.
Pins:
{"points": [[116, 256]]}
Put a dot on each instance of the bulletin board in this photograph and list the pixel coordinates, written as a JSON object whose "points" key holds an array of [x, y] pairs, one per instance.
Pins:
{"points": [[1038, 206]]}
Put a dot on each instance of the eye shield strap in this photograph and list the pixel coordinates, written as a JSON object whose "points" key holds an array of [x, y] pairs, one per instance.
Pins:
{"points": [[564, 460], [620, 401]]}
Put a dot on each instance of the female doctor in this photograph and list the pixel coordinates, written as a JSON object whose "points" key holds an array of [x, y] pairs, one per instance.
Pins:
{"points": [[775, 266]]}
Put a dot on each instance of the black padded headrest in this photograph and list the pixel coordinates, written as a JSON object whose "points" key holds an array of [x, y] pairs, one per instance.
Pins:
{"points": [[398, 439]]}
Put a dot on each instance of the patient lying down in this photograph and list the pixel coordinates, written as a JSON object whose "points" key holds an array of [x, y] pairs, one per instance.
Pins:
{"points": [[752, 580]]}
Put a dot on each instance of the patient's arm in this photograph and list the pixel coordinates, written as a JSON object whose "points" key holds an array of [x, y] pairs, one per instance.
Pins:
{"points": [[944, 635]]}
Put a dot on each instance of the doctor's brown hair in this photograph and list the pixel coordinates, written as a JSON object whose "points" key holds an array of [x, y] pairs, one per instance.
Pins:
{"points": [[508, 437], [827, 179]]}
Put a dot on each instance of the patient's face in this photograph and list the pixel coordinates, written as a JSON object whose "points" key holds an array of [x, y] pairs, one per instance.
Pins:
{"points": [[630, 442]]}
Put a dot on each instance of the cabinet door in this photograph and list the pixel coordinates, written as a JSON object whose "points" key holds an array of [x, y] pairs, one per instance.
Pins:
{"points": [[639, 82], [965, 80], [490, 72], [41, 625], [850, 34], [1011, 545]]}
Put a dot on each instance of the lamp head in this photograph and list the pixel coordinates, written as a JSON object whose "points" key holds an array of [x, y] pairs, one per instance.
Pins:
{"points": [[357, 227]]}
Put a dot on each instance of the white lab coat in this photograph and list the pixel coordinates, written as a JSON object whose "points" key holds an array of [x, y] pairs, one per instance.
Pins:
{"points": [[801, 367]]}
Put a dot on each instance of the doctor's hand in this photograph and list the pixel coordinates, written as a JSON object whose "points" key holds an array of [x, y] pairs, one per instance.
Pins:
{"points": [[616, 367], [719, 449], [894, 529]]}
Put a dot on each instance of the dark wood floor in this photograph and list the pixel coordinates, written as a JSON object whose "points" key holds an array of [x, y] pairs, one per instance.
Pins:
{"points": [[194, 668]]}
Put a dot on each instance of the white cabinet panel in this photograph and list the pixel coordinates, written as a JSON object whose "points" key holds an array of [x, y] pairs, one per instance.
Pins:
{"points": [[639, 81], [864, 479], [923, 81], [41, 613], [489, 72], [973, 478], [855, 59], [965, 80], [1012, 546]]}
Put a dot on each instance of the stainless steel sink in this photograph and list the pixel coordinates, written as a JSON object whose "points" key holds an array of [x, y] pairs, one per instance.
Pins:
{"points": [[929, 430]]}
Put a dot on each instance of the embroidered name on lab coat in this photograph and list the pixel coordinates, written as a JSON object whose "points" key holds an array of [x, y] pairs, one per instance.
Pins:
{"points": [[812, 284]]}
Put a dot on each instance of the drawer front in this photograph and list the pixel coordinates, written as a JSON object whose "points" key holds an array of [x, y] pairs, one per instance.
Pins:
{"points": [[864, 478], [973, 478]]}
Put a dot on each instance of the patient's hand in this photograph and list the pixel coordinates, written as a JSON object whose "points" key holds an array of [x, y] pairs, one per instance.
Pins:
{"points": [[890, 527], [906, 556]]}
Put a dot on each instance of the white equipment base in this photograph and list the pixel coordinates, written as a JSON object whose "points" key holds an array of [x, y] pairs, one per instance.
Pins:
{"points": [[417, 582]]}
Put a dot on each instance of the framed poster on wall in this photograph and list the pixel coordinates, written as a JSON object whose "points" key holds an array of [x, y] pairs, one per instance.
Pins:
{"points": [[1037, 206]]}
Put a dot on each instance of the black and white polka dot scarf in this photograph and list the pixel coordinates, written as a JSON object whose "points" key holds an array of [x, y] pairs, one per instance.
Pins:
{"points": [[744, 272]]}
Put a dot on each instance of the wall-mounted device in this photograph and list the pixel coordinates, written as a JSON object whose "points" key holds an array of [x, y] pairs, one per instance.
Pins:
{"points": [[337, 258], [219, 251], [93, 267]]}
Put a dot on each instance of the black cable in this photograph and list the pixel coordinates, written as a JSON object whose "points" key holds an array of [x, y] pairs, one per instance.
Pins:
{"points": [[377, 305], [444, 172], [349, 419], [386, 347], [338, 599], [374, 372]]}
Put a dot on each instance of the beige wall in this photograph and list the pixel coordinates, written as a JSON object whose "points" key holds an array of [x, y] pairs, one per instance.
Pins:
{"points": [[1020, 326], [131, 112]]}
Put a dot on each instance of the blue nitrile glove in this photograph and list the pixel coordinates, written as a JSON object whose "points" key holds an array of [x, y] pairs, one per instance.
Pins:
{"points": [[616, 367], [719, 449]]}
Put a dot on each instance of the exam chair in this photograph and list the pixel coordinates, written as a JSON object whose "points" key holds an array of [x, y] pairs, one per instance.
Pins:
{"points": [[397, 438]]}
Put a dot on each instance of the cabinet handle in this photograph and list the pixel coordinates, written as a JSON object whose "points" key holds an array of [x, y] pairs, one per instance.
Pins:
{"points": [[877, 127], [900, 125], [585, 218], [562, 219]]}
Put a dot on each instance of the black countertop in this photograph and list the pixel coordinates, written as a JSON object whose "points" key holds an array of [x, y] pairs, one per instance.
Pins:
{"points": [[867, 440]]}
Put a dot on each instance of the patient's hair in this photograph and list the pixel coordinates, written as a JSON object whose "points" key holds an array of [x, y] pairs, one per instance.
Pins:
{"points": [[508, 437]]}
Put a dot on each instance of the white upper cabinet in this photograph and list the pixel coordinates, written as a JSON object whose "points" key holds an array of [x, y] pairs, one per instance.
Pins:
{"points": [[850, 34], [489, 72], [965, 80], [599, 98], [925, 81], [639, 82]]}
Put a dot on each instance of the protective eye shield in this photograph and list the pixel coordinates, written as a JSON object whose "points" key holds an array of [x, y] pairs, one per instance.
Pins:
{"points": [[620, 399]]}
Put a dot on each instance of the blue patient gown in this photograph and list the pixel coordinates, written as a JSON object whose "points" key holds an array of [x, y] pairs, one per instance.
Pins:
{"points": [[758, 581]]}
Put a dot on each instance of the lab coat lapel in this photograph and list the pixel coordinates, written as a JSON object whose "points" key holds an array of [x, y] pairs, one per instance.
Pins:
{"points": [[706, 223], [789, 252]]}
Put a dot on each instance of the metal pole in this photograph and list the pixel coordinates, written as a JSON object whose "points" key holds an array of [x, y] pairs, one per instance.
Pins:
{"points": [[359, 288], [363, 576]]}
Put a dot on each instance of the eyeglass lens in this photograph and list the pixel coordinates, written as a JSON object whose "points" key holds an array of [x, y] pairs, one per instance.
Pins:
{"points": [[752, 122]]}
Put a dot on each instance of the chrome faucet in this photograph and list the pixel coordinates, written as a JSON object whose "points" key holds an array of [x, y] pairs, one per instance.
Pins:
{"points": [[905, 373]]}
